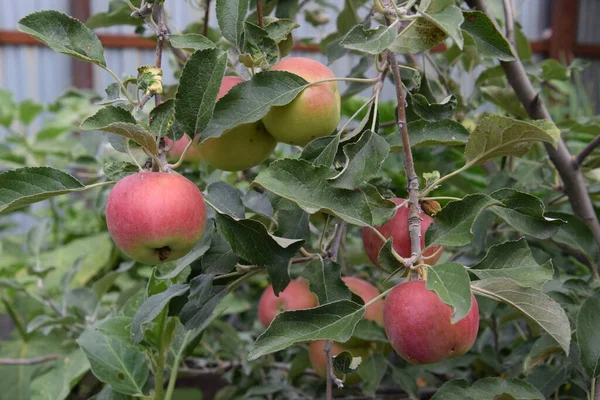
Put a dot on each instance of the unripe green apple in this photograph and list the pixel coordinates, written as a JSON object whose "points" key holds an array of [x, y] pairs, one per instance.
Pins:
{"points": [[191, 155], [296, 296], [316, 355], [418, 325], [239, 148], [154, 217], [313, 113], [367, 292], [397, 228]]}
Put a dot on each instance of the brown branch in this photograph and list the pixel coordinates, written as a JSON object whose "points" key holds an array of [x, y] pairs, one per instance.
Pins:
{"points": [[414, 221], [206, 17], [509, 21], [586, 151], [29, 361], [259, 14], [571, 176]]}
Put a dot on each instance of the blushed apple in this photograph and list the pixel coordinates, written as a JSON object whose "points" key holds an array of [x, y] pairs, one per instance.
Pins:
{"points": [[296, 296], [316, 355], [367, 292], [191, 155]]}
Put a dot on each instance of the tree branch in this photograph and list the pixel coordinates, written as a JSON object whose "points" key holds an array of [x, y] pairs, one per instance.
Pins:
{"points": [[571, 176], [206, 17], [29, 361], [259, 14], [587, 151], [509, 20]]}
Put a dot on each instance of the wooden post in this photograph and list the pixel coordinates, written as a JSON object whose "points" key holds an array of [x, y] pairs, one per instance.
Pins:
{"points": [[564, 30], [82, 72]]}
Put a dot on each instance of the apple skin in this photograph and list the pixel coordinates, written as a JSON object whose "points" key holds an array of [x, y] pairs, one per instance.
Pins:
{"points": [[314, 113], [155, 217], [296, 296], [239, 148], [191, 155], [397, 228], [316, 355], [367, 292], [417, 323]]}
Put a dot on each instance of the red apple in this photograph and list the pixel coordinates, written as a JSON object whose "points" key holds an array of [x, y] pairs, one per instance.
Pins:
{"points": [[417, 323], [192, 154], [296, 296], [240, 148], [313, 113], [316, 355], [367, 292], [154, 217], [397, 228]]}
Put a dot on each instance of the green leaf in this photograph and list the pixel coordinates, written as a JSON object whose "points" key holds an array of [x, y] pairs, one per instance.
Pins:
{"points": [[370, 41], [456, 389], [453, 225], [369, 331], [420, 35], [292, 223], [348, 18], [449, 20], [497, 136], [107, 393], [191, 41], [28, 110], [220, 258], [506, 99], [307, 185], [151, 308], [576, 234], [588, 335], [343, 363], [372, 370], [542, 348], [332, 321], [24, 186], [387, 260], [203, 299], [534, 304], [118, 13], [120, 121], [198, 88], [162, 118], [491, 387], [198, 251], [56, 384], [116, 170], [225, 199], [281, 29], [259, 46], [490, 42], [258, 203], [231, 15], [363, 161], [321, 151], [451, 283], [251, 241], [513, 260], [64, 34], [426, 133], [324, 277], [114, 361], [553, 70], [522, 44], [251, 100], [432, 112], [525, 212]]}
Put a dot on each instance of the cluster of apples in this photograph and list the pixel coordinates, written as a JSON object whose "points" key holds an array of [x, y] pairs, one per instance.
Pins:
{"points": [[314, 113]]}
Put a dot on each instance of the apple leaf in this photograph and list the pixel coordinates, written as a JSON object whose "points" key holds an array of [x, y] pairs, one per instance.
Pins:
{"points": [[332, 321], [64, 34], [449, 20], [490, 42], [497, 136], [231, 15], [576, 234], [219, 258], [372, 370], [118, 13], [292, 222], [513, 260], [261, 48], [112, 359], [258, 203], [450, 282], [453, 225], [534, 304], [525, 213], [162, 118], [321, 151], [432, 112], [120, 121], [116, 170], [343, 363], [306, 185], [456, 389], [251, 241], [370, 331], [198, 88], [24, 186], [363, 161], [506, 99], [58, 382], [420, 35], [431, 133], [488, 388], [151, 308], [251, 100], [324, 277], [225, 199], [191, 41], [370, 41], [588, 335], [202, 301], [542, 348]]}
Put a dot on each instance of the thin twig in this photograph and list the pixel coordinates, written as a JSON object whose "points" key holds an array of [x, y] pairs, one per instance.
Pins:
{"points": [[259, 14], [206, 18], [29, 361], [586, 151], [509, 20], [337, 241]]}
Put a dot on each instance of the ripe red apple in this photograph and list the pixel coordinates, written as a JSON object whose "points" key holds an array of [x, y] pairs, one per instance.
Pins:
{"points": [[154, 217], [417, 323], [313, 113], [397, 228], [239, 148], [316, 355], [191, 155], [296, 296], [367, 292]]}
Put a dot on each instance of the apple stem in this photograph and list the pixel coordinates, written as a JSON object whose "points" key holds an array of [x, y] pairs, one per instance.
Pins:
{"points": [[414, 221]]}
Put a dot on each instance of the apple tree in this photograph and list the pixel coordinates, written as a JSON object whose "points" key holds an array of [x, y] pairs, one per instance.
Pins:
{"points": [[264, 228]]}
